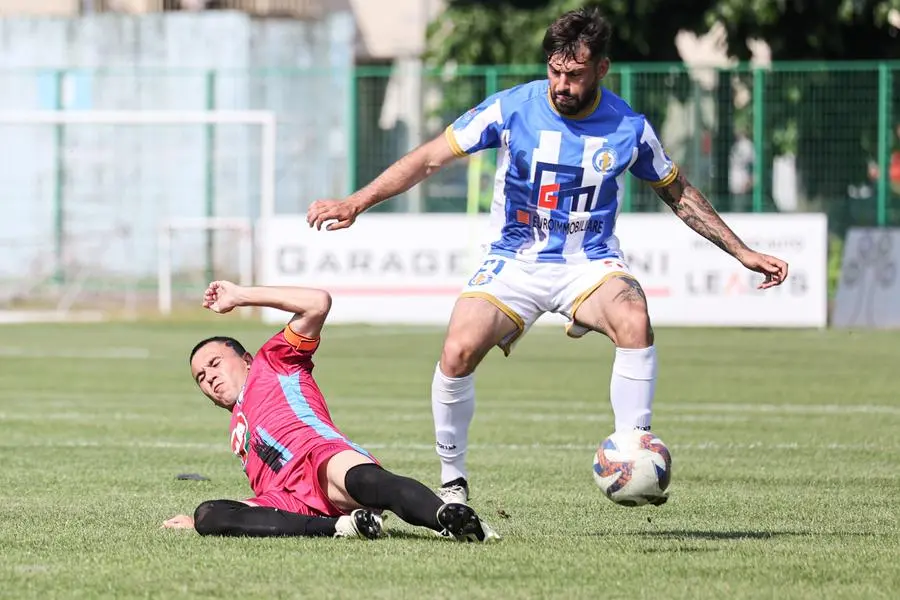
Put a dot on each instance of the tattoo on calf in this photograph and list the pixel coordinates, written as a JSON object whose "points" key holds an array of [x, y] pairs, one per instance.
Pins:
{"points": [[632, 292]]}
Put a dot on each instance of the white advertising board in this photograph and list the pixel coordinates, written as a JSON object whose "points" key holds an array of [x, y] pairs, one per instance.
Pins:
{"points": [[410, 268]]}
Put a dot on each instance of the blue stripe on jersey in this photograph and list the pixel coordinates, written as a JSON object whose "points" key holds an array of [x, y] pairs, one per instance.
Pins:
{"points": [[512, 229], [265, 436], [569, 177], [593, 152], [516, 234], [594, 243], [290, 386]]}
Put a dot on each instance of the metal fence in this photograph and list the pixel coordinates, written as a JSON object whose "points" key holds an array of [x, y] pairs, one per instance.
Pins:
{"points": [[821, 137], [789, 137]]}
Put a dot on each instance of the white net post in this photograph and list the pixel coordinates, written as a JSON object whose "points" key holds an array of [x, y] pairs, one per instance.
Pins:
{"points": [[265, 119], [244, 229], [88, 193]]}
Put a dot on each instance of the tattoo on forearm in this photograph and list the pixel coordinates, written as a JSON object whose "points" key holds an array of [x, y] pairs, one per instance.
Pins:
{"points": [[632, 292], [692, 207]]}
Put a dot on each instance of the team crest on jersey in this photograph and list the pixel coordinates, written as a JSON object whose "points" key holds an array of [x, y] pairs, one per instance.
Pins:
{"points": [[240, 438], [605, 160], [481, 279]]}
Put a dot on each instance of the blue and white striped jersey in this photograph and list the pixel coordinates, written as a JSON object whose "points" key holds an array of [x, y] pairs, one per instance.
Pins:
{"points": [[560, 180]]}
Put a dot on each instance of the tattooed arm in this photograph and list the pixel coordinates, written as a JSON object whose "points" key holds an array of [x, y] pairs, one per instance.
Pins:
{"points": [[692, 207]]}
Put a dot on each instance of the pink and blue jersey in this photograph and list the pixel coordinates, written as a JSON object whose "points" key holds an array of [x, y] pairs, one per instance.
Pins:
{"points": [[559, 180], [281, 428]]}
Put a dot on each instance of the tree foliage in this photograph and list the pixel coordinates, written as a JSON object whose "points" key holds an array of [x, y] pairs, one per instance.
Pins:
{"points": [[511, 31], [832, 142], [475, 32], [810, 29]]}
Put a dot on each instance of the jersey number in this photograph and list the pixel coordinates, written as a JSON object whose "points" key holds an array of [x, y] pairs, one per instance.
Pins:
{"points": [[240, 438]]}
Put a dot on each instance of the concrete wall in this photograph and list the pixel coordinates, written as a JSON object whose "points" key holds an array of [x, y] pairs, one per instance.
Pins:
{"points": [[127, 178]]}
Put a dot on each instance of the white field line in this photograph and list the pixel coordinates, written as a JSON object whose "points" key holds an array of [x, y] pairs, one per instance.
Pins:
{"points": [[40, 400], [352, 332], [423, 417], [798, 409], [102, 416], [79, 417], [538, 447], [131, 353], [606, 417], [112, 353], [128, 353]]}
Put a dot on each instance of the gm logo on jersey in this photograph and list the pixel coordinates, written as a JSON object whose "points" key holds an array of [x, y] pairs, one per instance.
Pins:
{"points": [[605, 160]]}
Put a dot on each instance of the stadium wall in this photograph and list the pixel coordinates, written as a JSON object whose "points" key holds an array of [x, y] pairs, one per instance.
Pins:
{"points": [[79, 186]]}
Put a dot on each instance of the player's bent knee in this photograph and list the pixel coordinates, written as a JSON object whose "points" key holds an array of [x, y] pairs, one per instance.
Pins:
{"points": [[458, 358], [203, 523], [211, 516], [631, 327]]}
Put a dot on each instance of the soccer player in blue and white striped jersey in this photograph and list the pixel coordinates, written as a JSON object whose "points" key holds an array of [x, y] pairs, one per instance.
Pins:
{"points": [[565, 146]]}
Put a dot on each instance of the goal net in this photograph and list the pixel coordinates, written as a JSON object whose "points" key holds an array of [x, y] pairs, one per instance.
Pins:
{"points": [[87, 196]]}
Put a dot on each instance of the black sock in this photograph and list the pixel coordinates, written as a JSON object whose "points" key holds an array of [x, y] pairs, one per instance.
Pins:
{"points": [[373, 487], [228, 517]]}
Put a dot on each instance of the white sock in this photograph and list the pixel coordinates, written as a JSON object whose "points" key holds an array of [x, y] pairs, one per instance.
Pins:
{"points": [[453, 406], [631, 387]]}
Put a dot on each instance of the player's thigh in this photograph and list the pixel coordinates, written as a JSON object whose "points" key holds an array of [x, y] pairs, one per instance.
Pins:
{"points": [[333, 475], [496, 307], [611, 301], [477, 324]]}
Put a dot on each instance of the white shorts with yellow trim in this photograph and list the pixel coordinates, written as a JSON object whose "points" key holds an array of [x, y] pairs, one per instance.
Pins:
{"points": [[524, 291]]}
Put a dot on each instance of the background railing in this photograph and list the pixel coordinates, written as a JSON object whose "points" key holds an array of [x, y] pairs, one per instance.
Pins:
{"points": [[791, 137], [796, 137]]}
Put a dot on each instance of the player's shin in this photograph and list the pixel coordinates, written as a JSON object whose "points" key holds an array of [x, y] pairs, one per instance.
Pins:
{"points": [[374, 487], [632, 386], [452, 406]]}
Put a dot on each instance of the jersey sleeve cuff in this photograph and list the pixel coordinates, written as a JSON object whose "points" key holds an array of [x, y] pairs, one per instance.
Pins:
{"points": [[300, 343], [668, 179], [454, 145]]}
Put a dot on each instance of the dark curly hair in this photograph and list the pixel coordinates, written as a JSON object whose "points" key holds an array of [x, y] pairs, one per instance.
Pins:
{"points": [[583, 26]]}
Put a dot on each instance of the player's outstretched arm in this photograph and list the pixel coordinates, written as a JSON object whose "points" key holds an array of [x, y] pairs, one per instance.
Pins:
{"points": [[415, 167], [310, 306], [692, 207]]}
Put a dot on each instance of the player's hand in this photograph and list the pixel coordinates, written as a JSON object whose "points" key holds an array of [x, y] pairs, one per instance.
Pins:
{"points": [[343, 212], [775, 269], [179, 522], [222, 296]]}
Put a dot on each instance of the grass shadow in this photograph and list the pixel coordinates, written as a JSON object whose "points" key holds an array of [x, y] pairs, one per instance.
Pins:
{"points": [[413, 535], [681, 548], [715, 535]]}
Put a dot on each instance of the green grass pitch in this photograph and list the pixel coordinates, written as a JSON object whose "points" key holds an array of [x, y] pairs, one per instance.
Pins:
{"points": [[786, 450]]}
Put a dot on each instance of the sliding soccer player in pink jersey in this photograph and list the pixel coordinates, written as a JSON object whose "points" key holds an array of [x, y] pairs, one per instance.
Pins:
{"points": [[307, 477]]}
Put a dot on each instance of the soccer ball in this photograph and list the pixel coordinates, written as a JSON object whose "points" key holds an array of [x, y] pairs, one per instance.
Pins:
{"points": [[633, 468]]}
